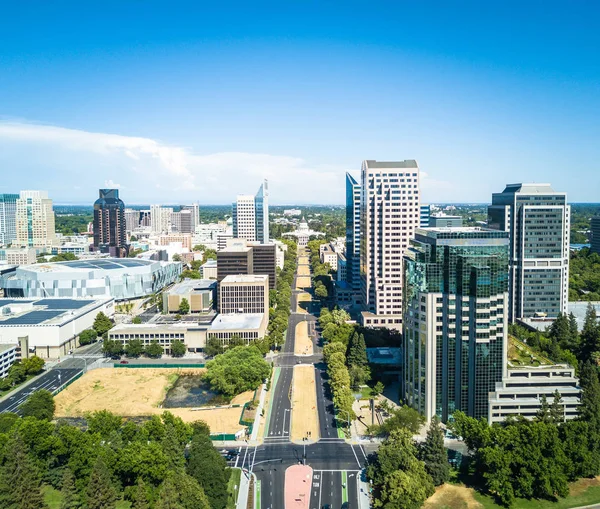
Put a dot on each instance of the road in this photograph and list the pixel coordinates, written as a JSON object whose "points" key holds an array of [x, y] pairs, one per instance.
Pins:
{"points": [[335, 463], [52, 379]]}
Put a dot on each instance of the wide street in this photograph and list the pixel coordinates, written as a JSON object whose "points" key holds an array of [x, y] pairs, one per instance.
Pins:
{"points": [[335, 463], [61, 373]]}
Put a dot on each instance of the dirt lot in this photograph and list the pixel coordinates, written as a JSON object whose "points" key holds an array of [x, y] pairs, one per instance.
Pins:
{"points": [[304, 404], [303, 345], [302, 298], [451, 496], [303, 270], [303, 282], [136, 392]]}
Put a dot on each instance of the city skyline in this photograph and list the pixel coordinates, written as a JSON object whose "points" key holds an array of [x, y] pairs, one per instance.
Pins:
{"points": [[485, 95]]}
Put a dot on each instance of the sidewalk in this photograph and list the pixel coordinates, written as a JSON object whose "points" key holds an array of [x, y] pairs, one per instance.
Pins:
{"points": [[244, 491], [364, 500]]}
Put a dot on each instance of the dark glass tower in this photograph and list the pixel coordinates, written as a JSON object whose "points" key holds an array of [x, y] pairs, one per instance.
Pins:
{"points": [[353, 233], [109, 224], [455, 319]]}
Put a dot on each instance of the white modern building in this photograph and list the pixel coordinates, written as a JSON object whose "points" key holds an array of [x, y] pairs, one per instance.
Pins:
{"points": [[251, 216], [120, 278], [49, 327], [538, 221], [35, 220], [328, 255], [8, 356], [389, 214], [160, 218], [18, 256], [8, 218], [521, 392]]}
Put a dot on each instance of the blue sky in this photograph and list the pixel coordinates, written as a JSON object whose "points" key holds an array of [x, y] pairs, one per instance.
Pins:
{"points": [[182, 101]]}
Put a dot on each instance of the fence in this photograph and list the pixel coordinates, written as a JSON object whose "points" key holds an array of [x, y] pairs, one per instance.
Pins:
{"points": [[67, 383], [118, 365]]}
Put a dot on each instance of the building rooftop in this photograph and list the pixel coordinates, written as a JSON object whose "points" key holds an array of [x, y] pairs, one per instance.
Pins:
{"points": [[245, 278], [408, 163], [210, 263], [229, 321], [385, 355], [33, 312], [190, 285], [5, 347], [531, 188], [100, 264]]}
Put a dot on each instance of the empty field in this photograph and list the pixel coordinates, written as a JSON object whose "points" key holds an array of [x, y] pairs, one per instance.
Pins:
{"points": [[302, 345], [140, 392], [304, 404], [303, 270]]}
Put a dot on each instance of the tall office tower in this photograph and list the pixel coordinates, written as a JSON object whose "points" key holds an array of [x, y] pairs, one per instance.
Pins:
{"points": [[35, 220], [389, 214], [537, 219], [261, 204], [110, 234], [160, 219], [595, 240], [132, 219], [8, 218], [352, 233], [455, 320], [182, 221], [251, 215]]}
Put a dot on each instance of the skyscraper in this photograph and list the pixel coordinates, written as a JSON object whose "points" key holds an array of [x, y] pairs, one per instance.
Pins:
{"points": [[109, 224], [35, 220], [455, 319], [8, 218], [537, 219], [352, 233], [160, 219], [389, 214], [251, 215], [595, 240]]}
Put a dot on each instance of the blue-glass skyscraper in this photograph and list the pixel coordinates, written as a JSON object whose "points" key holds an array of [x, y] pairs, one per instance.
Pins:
{"points": [[353, 233], [8, 218]]}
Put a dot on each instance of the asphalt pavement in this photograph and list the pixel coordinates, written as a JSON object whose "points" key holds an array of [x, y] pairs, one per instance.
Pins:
{"points": [[51, 380]]}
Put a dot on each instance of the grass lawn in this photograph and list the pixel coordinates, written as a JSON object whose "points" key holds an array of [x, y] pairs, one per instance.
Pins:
{"points": [[457, 496], [233, 487], [365, 392], [53, 498]]}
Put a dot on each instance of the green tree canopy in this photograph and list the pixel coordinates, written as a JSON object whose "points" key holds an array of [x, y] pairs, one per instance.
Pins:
{"points": [[184, 306], [154, 350], [237, 370], [434, 454], [101, 493], [102, 323], [87, 337], [39, 405], [178, 348], [209, 468], [134, 348]]}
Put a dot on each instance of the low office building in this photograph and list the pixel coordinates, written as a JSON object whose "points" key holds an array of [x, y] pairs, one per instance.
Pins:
{"points": [[248, 326], [18, 256], [193, 335], [199, 293], [209, 269], [120, 278], [522, 390], [244, 294], [8, 356], [444, 221], [48, 328], [328, 255], [342, 267]]}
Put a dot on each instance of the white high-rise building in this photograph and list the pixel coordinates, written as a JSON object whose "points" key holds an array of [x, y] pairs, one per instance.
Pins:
{"points": [[251, 216], [35, 220], [160, 218], [389, 214], [8, 220], [538, 221]]}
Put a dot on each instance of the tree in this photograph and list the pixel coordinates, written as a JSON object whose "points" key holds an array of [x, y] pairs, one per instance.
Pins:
{"points": [[543, 414], [104, 423], [434, 454], [404, 417], [140, 495], [176, 258], [378, 389], [64, 257], [321, 290], [87, 337], [69, 493], [190, 274], [39, 405], [134, 348], [357, 351], [331, 348], [137, 320], [168, 498], [237, 370], [178, 348], [154, 350], [213, 347], [112, 348], [590, 399], [100, 491], [557, 409], [399, 478], [209, 468], [33, 365], [590, 334], [184, 306], [20, 481], [191, 494], [102, 323], [16, 374]]}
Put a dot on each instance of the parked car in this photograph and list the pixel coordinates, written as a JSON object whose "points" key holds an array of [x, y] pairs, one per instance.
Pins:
{"points": [[124, 362]]}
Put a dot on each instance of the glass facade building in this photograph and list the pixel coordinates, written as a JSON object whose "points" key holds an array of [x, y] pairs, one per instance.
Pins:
{"points": [[595, 241], [110, 235], [8, 218], [352, 233], [455, 319], [538, 221]]}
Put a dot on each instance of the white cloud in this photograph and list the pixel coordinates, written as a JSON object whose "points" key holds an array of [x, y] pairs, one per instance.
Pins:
{"points": [[145, 165], [109, 184]]}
